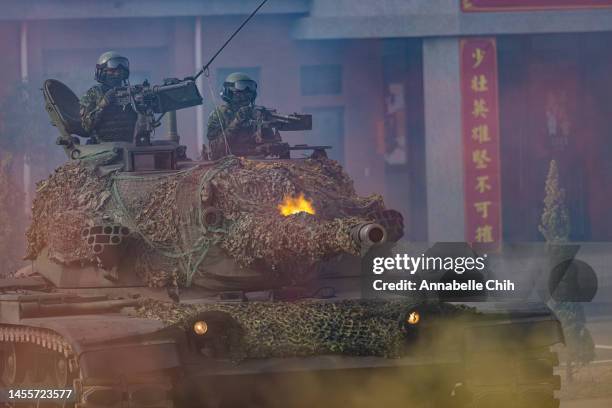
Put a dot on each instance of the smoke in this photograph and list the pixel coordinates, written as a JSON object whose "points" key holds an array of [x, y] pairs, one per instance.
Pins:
{"points": [[441, 369]]}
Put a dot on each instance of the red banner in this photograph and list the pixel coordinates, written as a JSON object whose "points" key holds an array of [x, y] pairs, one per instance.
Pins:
{"points": [[480, 133], [518, 5]]}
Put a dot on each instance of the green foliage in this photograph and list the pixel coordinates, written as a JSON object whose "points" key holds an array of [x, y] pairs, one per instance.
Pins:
{"points": [[555, 225], [579, 345]]}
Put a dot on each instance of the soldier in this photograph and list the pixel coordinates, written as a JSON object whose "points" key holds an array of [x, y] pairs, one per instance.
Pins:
{"points": [[233, 127], [104, 120]]}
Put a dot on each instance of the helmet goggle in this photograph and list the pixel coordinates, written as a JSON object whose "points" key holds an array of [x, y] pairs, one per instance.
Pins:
{"points": [[115, 63], [243, 85]]}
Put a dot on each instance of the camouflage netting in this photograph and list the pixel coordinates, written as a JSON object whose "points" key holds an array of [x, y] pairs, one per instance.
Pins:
{"points": [[72, 196], [165, 214], [294, 243], [309, 327]]}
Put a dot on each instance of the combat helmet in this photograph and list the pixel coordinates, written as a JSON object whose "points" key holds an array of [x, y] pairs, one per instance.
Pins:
{"points": [[112, 60], [239, 88]]}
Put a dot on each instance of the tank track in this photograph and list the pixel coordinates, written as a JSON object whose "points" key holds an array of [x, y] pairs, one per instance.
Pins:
{"points": [[28, 351], [35, 358], [40, 337], [43, 338]]}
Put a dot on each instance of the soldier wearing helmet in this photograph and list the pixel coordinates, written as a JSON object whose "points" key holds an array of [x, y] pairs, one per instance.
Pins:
{"points": [[232, 127], [100, 116]]}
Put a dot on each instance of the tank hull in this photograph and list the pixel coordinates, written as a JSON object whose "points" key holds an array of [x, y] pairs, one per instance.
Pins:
{"points": [[203, 286], [114, 358]]}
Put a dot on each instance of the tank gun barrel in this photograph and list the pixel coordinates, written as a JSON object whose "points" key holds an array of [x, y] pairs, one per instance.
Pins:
{"points": [[369, 233]]}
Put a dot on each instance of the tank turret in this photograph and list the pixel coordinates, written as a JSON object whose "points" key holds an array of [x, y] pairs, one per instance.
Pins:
{"points": [[260, 223]]}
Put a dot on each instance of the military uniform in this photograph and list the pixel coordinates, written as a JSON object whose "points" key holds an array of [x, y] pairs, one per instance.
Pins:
{"points": [[234, 128], [90, 111], [237, 126], [107, 124], [103, 120]]}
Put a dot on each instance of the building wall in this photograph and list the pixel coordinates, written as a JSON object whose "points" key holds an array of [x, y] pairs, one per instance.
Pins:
{"points": [[359, 8], [70, 48], [9, 49], [436, 18], [555, 94]]}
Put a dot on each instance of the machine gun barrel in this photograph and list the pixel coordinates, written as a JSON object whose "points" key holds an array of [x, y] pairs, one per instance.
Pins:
{"points": [[171, 96], [168, 87], [293, 122]]}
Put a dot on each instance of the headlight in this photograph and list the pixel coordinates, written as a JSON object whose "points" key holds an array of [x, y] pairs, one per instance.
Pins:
{"points": [[214, 334], [410, 323], [413, 318], [200, 327]]}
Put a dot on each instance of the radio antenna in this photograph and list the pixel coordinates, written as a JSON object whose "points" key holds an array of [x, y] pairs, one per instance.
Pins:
{"points": [[205, 67]]}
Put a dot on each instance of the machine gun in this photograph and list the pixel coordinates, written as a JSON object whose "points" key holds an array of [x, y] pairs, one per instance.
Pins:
{"points": [[173, 95], [269, 123], [147, 100], [269, 118]]}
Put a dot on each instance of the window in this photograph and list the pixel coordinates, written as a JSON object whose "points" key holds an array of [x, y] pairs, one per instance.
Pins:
{"points": [[321, 79]]}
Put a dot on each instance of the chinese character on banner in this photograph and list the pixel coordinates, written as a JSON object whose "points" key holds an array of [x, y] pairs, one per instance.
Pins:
{"points": [[527, 5], [480, 135], [478, 56], [479, 83]]}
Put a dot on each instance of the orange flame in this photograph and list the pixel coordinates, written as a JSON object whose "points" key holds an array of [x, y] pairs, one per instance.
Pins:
{"points": [[291, 205]]}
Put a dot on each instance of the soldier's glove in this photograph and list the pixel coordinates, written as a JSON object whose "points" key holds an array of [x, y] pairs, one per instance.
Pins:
{"points": [[244, 114], [108, 99]]}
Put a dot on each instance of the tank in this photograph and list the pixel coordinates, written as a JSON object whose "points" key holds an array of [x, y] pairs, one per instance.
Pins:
{"points": [[159, 281]]}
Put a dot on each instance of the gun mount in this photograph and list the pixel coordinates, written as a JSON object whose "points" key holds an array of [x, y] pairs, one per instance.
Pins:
{"points": [[141, 155]]}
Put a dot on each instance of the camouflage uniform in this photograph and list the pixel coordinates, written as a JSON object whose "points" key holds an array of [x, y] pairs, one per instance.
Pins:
{"points": [[238, 126], [106, 123], [90, 111]]}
